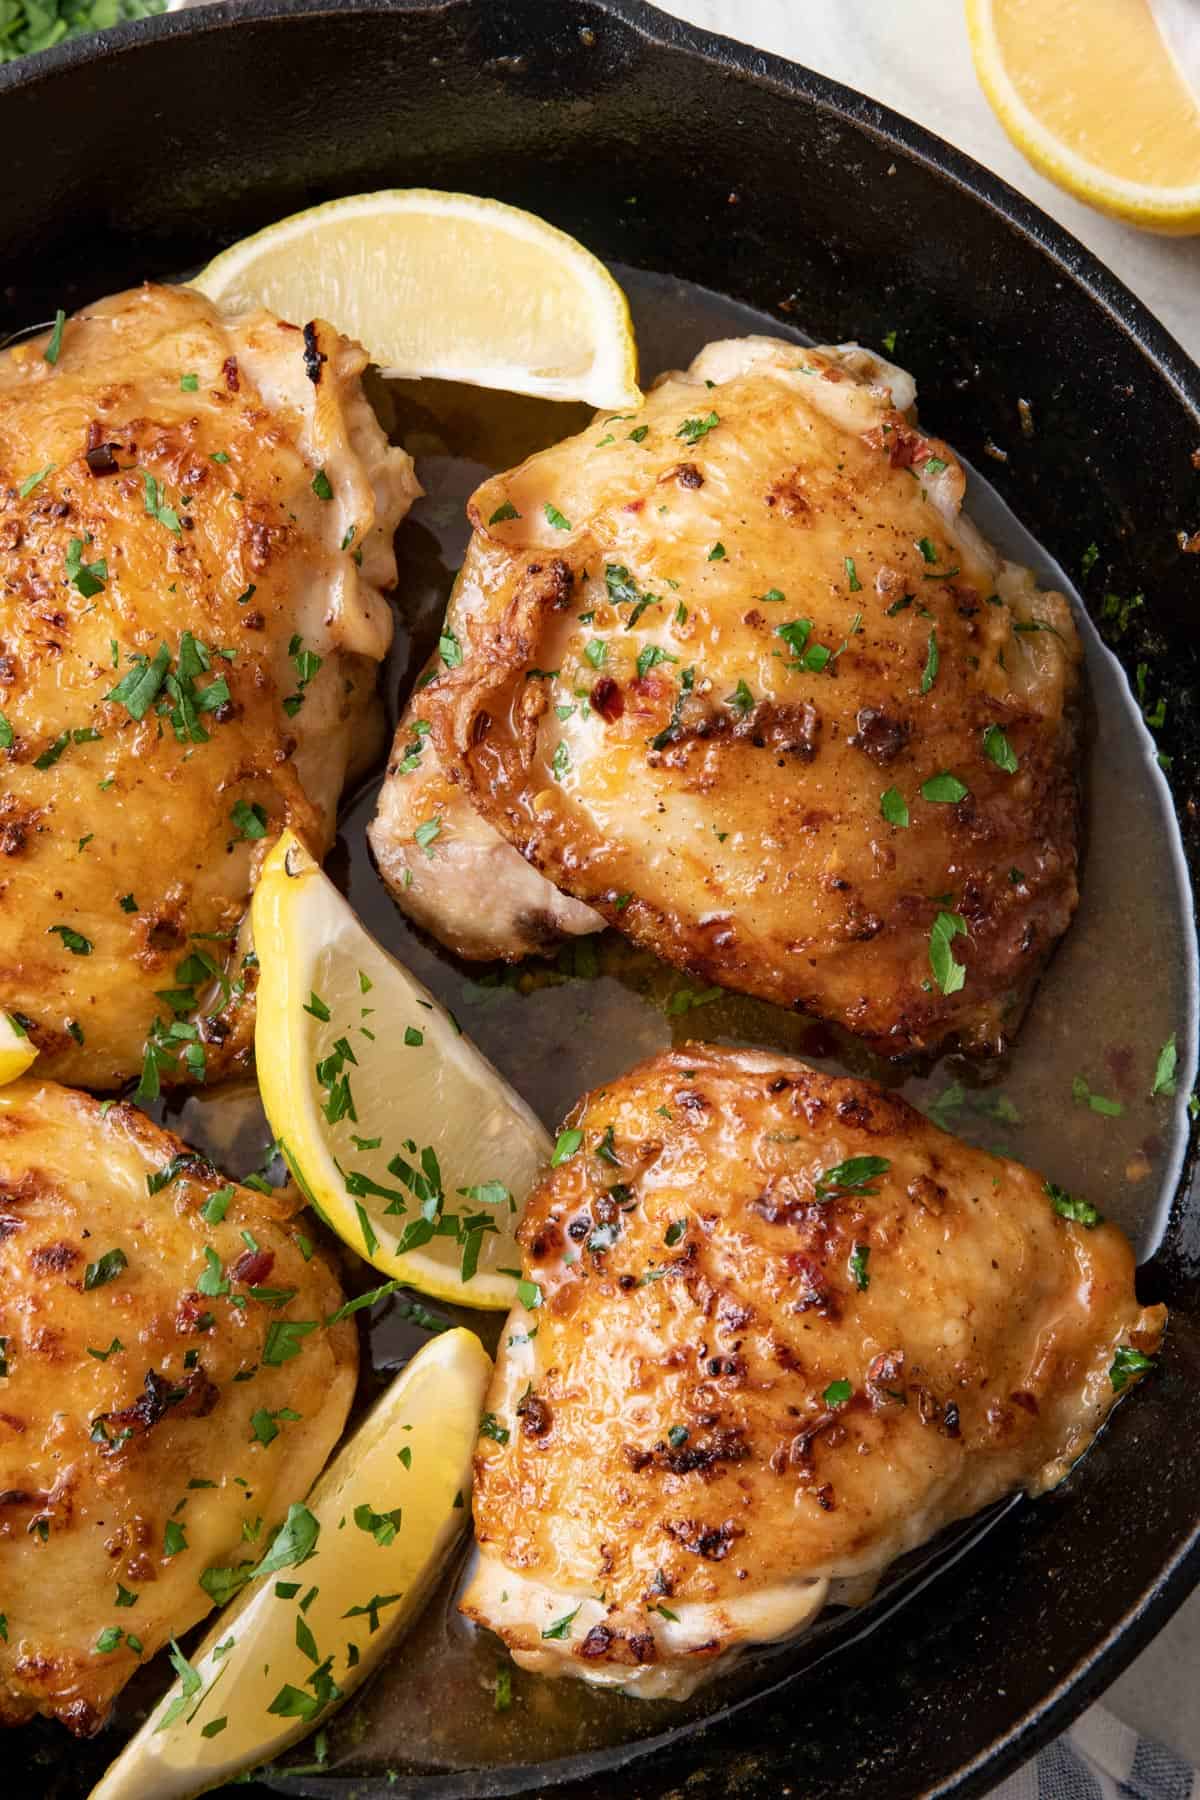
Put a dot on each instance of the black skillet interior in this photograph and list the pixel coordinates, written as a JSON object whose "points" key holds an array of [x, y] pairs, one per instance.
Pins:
{"points": [[669, 150]]}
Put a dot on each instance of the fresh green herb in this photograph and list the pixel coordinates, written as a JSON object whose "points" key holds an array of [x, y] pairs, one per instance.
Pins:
{"points": [[106, 1268], [947, 972], [75, 942], [1128, 1362], [249, 819], [426, 833], [109, 1639], [561, 1627], [263, 1424], [933, 465], [54, 348], [596, 652], [852, 572], [888, 340], [649, 656], [156, 503], [925, 546], [899, 606], [141, 684], [529, 1294], [838, 1392], [295, 1540], [717, 553], [560, 762], [283, 1339], [556, 518], [125, 1597], [1068, 1206], [1083, 1096], [673, 726], [32, 481], [7, 734], [100, 1355], [568, 1143], [503, 1687], [1165, 1068], [932, 659], [812, 657], [692, 430], [320, 485], [638, 434], [894, 807], [174, 1538], [997, 747], [490, 1427], [944, 788], [1090, 558], [741, 700], [371, 1610], [859, 1257], [854, 1176]]}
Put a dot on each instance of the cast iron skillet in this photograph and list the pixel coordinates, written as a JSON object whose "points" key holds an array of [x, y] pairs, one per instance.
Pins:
{"points": [[141, 154]]}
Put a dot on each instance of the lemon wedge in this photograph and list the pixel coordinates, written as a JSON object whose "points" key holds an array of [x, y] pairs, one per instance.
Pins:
{"points": [[407, 1141], [16, 1049], [447, 285], [1092, 93], [340, 1580]]}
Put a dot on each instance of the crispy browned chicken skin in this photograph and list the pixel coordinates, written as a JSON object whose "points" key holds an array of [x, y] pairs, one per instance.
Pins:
{"points": [[737, 677], [161, 535], [761, 1367], [169, 1389]]}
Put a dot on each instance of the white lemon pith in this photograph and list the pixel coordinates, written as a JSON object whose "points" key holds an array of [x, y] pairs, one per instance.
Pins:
{"points": [[448, 285], [416, 1152], [17, 1051], [351, 1567], [1091, 93]]}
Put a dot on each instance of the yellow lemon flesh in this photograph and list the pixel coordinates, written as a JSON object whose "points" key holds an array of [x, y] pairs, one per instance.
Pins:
{"points": [[339, 1582], [16, 1050], [404, 1137], [445, 285], [1091, 92]]}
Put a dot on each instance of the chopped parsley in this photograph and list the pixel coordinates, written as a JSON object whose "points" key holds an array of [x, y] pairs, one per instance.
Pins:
{"points": [[838, 1392], [854, 1176], [859, 1257], [1068, 1206], [249, 819], [692, 430], [1082, 1094], [75, 942], [320, 485], [1165, 1069], [506, 510], [944, 788], [106, 1268], [1128, 1362], [997, 747], [947, 972], [894, 807], [932, 660], [556, 518]]}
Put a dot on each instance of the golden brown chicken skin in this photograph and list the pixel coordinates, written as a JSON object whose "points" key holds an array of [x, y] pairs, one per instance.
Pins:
{"points": [[777, 1330], [738, 676], [169, 1388], [196, 519]]}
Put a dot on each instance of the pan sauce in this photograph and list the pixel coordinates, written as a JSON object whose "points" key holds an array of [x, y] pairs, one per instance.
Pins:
{"points": [[1117, 988]]}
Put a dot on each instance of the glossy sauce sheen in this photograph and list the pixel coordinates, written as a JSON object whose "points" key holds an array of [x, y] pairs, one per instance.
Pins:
{"points": [[1116, 988]]}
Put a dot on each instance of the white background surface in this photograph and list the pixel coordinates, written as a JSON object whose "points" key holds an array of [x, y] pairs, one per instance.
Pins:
{"points": [[913, 55]]}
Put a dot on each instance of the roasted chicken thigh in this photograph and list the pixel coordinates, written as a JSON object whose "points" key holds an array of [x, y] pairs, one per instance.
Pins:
{"points": [[196, 518], [169, 1387], [736, 675], [777, 1330]]}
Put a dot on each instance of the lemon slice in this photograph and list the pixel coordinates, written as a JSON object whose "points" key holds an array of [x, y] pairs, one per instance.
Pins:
{"points": [[1092, 93], [403, 1136], [16, 1049], [447, 285], [377, 1527]]}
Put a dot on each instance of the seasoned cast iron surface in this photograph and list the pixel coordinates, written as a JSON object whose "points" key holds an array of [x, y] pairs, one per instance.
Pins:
{"points": [[665, 149]]}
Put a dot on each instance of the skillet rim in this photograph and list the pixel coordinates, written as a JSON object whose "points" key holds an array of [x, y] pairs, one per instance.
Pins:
{"points": [[1129, 1634]]}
